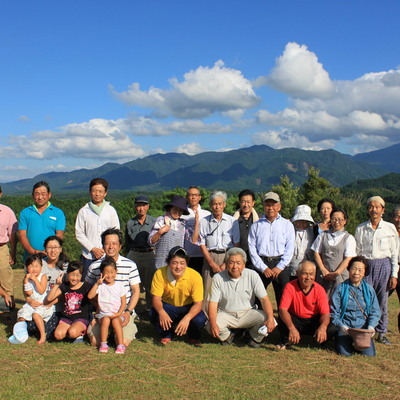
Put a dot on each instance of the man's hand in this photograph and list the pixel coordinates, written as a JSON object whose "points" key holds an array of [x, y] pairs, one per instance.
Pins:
{"points": [[127, 318], [321, 335], [214, 329], [275, 272], [183, 325], [294, 335], [165, 320], [268, 273], [392, 283], [98, 253], [270, 323]]}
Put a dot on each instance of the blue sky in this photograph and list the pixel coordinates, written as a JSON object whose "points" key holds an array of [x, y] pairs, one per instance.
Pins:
{"points": [[84, 83]]}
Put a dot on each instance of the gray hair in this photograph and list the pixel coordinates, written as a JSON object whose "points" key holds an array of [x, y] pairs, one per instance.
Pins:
{"points": [[235, 251], [218, 193], [300, 269]]}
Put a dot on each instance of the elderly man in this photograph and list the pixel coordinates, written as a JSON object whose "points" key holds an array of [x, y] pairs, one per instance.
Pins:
{"points": [[271, 245], [39, 221], [127, 273], [231, 301], [196, 213], [177, 299], [8, 237], [396, 223], [304, 309], [218, 233], [137, 246], [378, 241]]}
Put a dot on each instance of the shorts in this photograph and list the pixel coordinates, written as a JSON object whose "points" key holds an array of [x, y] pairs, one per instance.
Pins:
{"points": [[70, 321], [129, 330]]}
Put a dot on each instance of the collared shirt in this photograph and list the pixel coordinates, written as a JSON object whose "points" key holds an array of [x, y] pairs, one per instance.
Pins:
{"points": [[234, 295], [137, 234], [186, 290], [127, 273], [89, 226], [334, 238], [8, 223], [193, 249], [302, 249], [219, 235], [354, 317], [382, 242], [271, 239]]}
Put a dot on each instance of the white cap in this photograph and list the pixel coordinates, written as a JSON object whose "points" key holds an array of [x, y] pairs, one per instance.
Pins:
{"points": [[302, 213]]}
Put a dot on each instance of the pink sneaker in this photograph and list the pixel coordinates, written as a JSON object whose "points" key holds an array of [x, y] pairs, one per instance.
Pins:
{"points": [[120, 349], [103, 348]]}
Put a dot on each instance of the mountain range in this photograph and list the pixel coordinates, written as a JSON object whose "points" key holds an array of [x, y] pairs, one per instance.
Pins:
{"points": [[257, 167]]}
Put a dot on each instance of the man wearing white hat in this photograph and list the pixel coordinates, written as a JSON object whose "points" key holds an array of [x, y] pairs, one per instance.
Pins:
{"points": [[377, 240]]}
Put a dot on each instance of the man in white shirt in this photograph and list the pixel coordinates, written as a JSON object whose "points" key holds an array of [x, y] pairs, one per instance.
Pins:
{"points": [[377, 240]]}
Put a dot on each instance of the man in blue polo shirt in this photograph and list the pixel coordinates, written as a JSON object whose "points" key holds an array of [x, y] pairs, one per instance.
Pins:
{"points": [[39, 221]]}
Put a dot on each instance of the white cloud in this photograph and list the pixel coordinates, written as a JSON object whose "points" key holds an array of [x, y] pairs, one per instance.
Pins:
{"points": [[203, 92], [190, 148], [24, 118]]}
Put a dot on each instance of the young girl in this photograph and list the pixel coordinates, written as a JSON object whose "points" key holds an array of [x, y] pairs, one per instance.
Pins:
{"points": [[75, 303], [35, 288], [111, 298]]}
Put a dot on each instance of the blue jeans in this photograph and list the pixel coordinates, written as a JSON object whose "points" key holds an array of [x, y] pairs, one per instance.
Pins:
{"points": [[344, 346], [176, 314]]}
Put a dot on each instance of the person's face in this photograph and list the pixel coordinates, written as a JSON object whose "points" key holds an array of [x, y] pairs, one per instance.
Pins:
{"points": [[177, 266], [217, 206], [325, 211], [74, 277], [193, 197], [35, 268], [271, 209], [338, 221], [97, 194], [301, 225], [396, 220], [356, 272], [53, 250], [141, 209], [175, 212], [112, 246], [109, 274], [235, 266], [41, 196], [306, 275], [246, 204], [375, 210]]}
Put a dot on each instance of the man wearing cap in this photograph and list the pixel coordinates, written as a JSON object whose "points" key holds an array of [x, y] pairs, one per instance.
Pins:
{"points": [[377, 240], [271, 244], [396, 223], [137, 245], [177, 299], [8, 237], [231, 301], [196, 213]]}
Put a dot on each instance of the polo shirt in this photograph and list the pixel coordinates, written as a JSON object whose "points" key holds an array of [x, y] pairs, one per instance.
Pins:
{"points": [[186, 290], [137, 235], [8, 223], [302, 305]]}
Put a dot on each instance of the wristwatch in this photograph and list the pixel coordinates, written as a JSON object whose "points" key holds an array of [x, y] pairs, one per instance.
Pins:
{"points": [[129, 311]]}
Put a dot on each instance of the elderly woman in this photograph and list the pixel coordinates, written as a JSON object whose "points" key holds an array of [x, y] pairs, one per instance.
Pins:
{"points": [[333, 250], [218, 233], [169, 229], [177, 299], [354, 305]]}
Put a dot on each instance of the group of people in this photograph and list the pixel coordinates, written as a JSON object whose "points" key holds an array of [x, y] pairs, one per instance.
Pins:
{"points": [[203, 269]]}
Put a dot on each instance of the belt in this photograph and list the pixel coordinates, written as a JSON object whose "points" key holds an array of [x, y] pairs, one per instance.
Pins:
{"points": [[218, 251], [144, 250], [270, 259], [3, 244]]}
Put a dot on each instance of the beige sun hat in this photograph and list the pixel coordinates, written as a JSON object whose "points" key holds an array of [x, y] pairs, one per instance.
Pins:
{"points": [[361, 338], [302, 213]]}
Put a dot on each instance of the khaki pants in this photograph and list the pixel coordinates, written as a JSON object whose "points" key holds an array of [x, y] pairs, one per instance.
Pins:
{"points": [[207, 275], [6, 272]]}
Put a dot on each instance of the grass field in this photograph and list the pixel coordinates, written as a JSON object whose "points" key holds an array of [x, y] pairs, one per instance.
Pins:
{"points": [[179, 371]]}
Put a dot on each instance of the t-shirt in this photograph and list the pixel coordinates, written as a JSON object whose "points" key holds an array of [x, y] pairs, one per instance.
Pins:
{"points": [[302, 305], [75, 302], [109, 297]]}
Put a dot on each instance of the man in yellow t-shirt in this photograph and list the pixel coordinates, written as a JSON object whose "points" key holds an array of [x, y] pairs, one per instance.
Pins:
{"points": [[177, 299]]}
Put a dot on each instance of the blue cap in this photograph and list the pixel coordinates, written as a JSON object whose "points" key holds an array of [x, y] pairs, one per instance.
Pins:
{"points": [[141, 199]]}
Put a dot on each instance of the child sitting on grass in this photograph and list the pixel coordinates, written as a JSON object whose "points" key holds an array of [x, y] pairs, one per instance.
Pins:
{"points": [[111, 299]]}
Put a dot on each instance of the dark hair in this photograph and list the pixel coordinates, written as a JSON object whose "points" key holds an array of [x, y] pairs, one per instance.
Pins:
{"points": [[338, 209], [247, 192], [33, 257], [99, 181], [325, 201], [180, 254], [360, 259], [62, 258], [75, 266], [108, 262], [112, 231], [40, 184]]}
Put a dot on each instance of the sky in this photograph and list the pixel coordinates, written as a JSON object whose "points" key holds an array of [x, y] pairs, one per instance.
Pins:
{"points": [[84, 82]]}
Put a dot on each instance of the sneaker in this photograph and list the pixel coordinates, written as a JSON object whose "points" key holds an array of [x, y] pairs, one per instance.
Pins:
{"points": [[79, 339], [383, 339], [229, 340], [103, 348], [253, 344], [120, 349], [165, 341]]}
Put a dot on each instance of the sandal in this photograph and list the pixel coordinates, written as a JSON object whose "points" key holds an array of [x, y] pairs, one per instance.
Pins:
{"points": [[120, 349], [165, 341]]}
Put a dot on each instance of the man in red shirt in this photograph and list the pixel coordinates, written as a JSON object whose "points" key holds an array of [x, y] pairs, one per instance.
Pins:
{"points": [[304, 308]]}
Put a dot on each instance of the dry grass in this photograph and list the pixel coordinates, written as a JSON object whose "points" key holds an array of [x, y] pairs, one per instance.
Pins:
{"points": [[179, 371]]}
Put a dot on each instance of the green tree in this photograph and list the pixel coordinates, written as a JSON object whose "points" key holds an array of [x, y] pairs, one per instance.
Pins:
{"points": [[289, 195]]}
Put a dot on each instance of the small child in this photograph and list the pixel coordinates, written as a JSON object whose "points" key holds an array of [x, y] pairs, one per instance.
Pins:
{"points": [[35, 291], [75, 303], [111, 298]]}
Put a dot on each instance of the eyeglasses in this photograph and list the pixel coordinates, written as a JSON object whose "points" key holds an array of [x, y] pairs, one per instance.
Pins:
{"points": [[53, 248]]}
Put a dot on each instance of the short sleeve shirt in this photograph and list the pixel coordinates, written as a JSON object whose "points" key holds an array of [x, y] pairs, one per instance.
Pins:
{"points": [[75, 302]]}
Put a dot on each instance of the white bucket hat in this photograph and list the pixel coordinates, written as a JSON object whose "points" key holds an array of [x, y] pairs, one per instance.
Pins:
{"points": [[302, 213]]}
